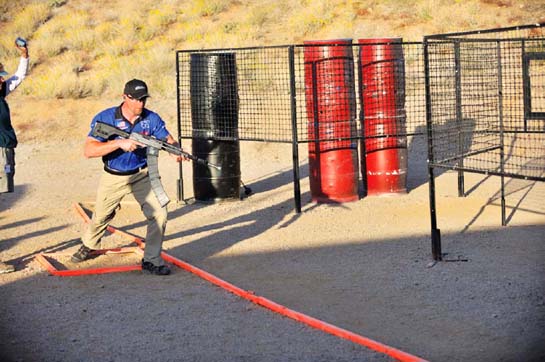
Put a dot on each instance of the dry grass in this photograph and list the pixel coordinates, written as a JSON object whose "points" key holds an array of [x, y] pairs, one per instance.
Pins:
{"points": [[209, 7], [81, 49], [23, 23]]}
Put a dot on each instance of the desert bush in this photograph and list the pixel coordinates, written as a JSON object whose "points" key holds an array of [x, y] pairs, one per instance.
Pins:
{"points": [[24, 24], [65, 79], [30, 18], [66, 32], [9, 7], [162, 17], [156, 66], [48, 40], [107, 30], [209, 7], [107, 47], [311, 16]]}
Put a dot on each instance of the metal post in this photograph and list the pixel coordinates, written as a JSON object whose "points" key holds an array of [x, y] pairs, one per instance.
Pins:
{"points": [[525, 86], [459, 117], [435, 232], [180, 185], [294, 143], [363, 151], [502, 143]]}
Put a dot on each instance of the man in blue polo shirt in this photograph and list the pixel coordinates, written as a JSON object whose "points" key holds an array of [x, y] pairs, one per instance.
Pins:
{"points": [[125, 173]]}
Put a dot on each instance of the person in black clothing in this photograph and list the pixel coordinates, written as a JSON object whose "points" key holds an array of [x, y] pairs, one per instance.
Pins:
{"points": [[8, 139]]}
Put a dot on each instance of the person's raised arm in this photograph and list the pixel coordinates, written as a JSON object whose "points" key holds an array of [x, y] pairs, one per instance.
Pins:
{"points": [[16, 79]]}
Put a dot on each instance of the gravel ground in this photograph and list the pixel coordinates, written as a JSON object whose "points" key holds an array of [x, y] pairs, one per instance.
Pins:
{"points": [[363, 266]]}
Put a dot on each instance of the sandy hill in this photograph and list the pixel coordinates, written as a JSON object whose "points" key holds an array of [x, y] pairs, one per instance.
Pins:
{"points": [[83, 52]]}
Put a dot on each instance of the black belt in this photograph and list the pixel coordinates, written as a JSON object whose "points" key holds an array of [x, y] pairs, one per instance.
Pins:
{"points": [[123, 173]]}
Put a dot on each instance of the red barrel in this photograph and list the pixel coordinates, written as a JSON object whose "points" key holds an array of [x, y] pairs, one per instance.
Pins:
{"points": [[384, 120], [331, 111]]}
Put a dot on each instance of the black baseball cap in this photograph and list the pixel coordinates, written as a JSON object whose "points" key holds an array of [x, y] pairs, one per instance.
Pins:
{"points": [[136, 88]]}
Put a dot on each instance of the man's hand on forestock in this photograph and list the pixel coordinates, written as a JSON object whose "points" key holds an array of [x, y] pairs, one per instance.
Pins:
{"points": [[179, 158]]}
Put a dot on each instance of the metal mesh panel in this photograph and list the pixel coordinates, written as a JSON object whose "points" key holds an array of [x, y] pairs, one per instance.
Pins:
{"points": [[486, 102], [511, 33], [263, 94], [268, 109], [405, 77]]}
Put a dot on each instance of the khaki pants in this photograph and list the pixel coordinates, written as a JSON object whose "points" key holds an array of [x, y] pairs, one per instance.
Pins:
{"points": [[111, 190], [7, 169]]}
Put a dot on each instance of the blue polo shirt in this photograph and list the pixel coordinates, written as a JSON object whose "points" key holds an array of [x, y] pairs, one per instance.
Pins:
{"points": [[149, 124]]}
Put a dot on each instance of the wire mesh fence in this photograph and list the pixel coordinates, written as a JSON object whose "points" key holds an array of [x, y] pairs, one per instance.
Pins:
{"points": [[481, 95], [486, 101], [272, 98], [520, 32], [253, 82], [336, 96], [485, 98]]}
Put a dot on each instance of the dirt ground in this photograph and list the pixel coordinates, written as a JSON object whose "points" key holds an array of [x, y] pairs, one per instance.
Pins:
{"points": [[363, 266]]}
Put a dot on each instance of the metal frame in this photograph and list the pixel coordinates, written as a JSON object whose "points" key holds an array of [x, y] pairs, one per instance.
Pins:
{"points": [[529, 114], [295, 133], [475, 37], [494, 88]]}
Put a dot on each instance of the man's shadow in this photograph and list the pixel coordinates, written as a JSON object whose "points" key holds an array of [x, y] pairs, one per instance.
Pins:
{"points": [[9, 199]]}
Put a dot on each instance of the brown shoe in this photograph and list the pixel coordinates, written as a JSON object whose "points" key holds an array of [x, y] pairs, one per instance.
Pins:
{"points": [[6, 268]]}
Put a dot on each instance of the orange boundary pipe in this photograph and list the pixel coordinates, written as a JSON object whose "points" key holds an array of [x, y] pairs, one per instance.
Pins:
{"points": [[42, 259], [275, 307]]}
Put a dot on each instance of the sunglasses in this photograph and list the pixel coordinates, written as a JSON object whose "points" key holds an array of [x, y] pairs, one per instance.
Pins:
{"points": [[143, 100]]}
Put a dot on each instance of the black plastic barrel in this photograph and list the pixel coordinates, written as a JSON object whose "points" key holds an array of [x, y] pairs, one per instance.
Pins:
{"points": [[214, 95], [210, 184], [214, 114]]}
